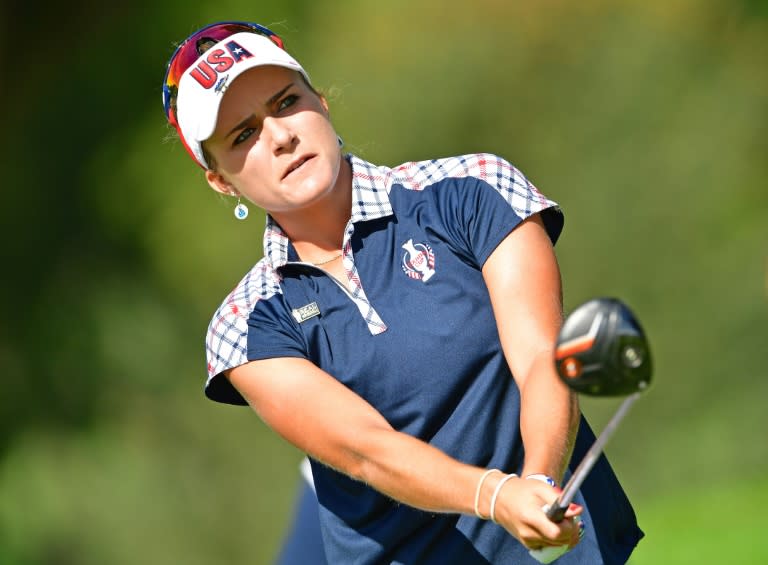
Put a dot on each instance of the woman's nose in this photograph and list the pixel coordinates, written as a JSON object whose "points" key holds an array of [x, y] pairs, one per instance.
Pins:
{"points": [[281, 134]]}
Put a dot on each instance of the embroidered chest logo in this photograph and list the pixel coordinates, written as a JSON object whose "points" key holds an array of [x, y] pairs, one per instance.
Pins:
{"points": [[418, 260]]}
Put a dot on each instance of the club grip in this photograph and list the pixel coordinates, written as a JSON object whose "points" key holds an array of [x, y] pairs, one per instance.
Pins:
{"points": [[556, 513]]}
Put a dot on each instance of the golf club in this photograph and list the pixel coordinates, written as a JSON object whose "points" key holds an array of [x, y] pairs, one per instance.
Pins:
{"points": [[601, 351]]}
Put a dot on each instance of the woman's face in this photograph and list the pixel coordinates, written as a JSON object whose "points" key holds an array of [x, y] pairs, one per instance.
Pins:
{"points": [[274, 142]]}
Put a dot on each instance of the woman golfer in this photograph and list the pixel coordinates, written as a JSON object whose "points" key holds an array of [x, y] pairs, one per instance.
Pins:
{"points": [[399, 329]]}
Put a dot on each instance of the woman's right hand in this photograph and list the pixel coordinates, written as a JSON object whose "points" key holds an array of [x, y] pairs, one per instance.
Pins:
{"points": [[519, 508]]}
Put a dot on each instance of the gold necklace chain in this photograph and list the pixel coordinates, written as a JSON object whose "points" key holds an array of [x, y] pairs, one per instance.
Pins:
{"points": [[328, 260]]}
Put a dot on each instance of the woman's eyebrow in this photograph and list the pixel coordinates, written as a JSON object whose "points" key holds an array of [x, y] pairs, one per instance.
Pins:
{"points": [[271, 101]]}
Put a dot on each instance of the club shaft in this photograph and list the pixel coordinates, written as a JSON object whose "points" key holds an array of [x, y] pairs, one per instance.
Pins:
{"points": [[557, 510]]}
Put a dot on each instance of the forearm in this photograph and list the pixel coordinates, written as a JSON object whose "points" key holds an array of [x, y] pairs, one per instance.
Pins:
{"points": [[549, 418], [416, 473], [335, 426]]}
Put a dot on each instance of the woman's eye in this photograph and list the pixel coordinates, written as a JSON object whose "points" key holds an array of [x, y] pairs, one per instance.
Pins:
{"points": [[245, 134], [288, 101]]}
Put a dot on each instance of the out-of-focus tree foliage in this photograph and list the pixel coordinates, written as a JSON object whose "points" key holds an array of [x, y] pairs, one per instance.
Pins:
{"points": [[647, 121]]}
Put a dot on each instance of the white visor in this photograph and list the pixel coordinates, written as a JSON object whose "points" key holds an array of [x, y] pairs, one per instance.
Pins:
{"points": [[203, 84]]}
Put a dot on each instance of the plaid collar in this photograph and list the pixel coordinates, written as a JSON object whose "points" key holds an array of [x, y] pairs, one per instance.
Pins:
{"points": [[370, 201]]}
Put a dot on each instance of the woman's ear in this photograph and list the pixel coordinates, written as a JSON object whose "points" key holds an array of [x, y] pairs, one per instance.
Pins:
{"points": [[218, 183]]}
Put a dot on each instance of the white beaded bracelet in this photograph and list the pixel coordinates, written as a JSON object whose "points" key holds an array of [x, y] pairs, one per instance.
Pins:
{"points": [[477, 492], [496, 494]]}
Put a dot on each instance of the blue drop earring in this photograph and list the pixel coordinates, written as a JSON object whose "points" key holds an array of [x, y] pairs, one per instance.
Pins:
{"points": [[241, 210]]}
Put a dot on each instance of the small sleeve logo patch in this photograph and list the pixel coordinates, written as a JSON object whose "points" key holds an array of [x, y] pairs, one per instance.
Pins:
{"points": [[305, 312]]}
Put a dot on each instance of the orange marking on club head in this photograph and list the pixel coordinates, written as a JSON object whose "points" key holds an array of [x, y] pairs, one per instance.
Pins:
{"points": [[574, 346], [571, 368]]}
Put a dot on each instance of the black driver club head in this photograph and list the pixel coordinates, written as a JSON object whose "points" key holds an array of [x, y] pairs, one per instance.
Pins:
{"points": [[602, 350]]}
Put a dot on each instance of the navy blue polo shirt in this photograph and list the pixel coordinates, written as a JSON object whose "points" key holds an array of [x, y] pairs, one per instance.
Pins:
{"points": [[412, 331]]}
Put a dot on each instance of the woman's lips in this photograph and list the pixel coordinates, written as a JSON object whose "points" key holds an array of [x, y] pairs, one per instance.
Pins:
{"points": [[298, 163]]}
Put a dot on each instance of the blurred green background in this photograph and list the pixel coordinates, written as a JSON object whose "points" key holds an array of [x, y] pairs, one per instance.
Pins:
{"points": [[646, 120]]}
